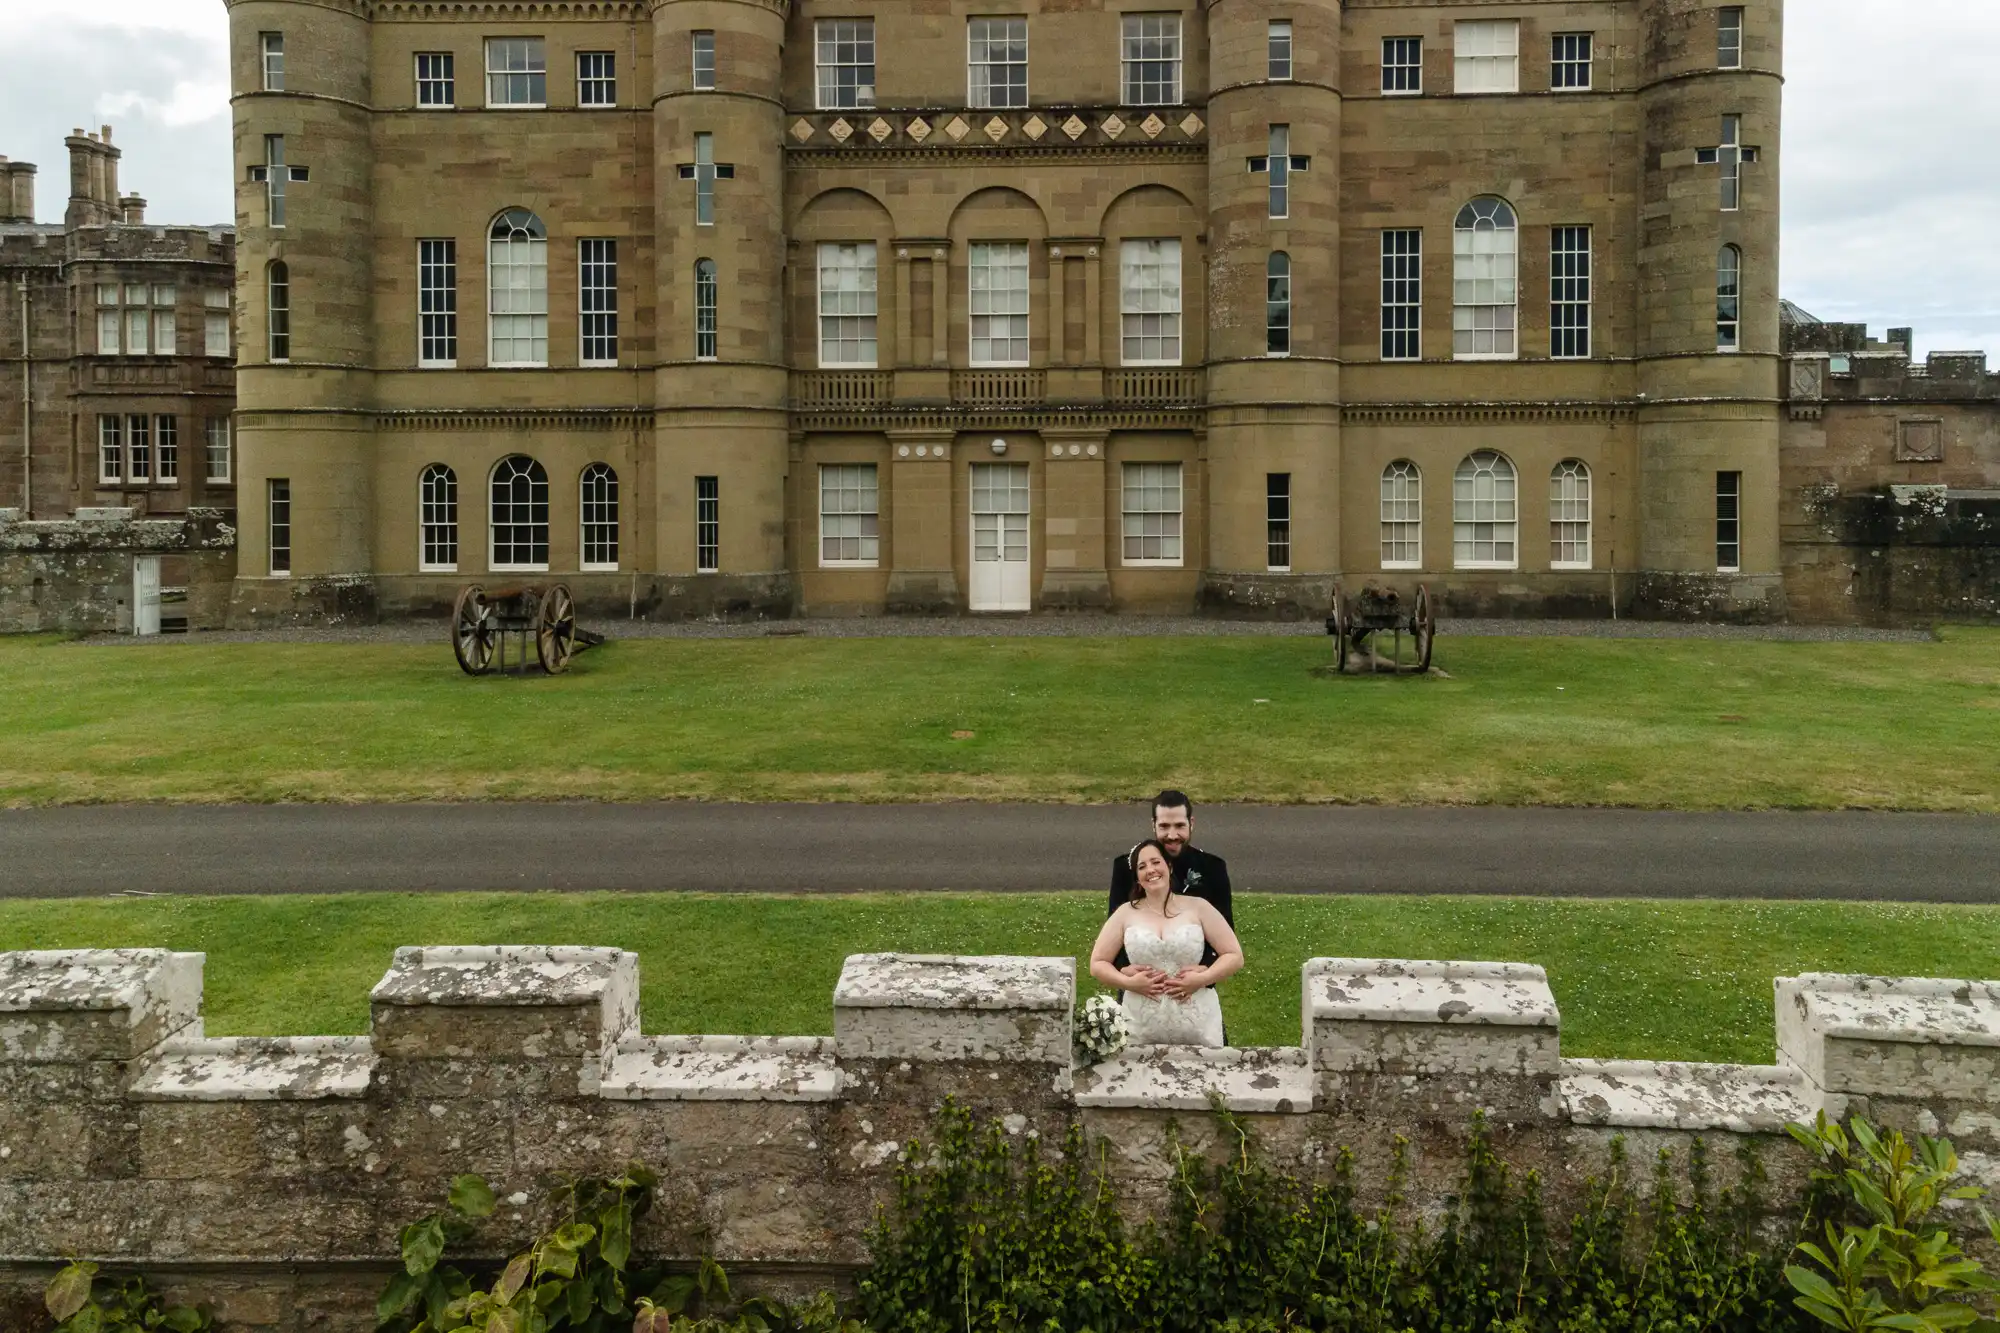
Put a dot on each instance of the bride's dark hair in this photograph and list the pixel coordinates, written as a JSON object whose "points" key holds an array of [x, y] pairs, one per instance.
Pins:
{"points": [[1132, 862]]}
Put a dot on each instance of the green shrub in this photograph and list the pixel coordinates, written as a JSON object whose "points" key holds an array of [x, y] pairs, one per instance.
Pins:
{"points": [[80, 1303]]}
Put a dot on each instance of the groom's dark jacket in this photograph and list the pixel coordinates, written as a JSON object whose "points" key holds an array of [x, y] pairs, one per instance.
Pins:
{"points": [[1195, 873]]}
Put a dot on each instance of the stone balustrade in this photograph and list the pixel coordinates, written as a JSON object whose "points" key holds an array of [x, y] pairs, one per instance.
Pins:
{"points": [[271, 1174]]}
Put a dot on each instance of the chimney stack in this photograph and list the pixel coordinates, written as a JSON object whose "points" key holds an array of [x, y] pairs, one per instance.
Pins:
{"points": [[17, 191], [132, 209], [93, 180]]}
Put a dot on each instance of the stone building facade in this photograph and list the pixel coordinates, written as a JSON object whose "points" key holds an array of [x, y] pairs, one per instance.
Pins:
{"points": [[117, 336], [754, 305]]}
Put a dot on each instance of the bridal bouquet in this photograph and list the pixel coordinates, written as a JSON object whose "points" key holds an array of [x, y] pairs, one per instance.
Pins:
{"points": [[1100, 1030]]}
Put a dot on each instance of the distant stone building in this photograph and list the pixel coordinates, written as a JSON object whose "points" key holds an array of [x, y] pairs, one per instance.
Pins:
{"points": [[783, 305], [117, 384], [116, 336]]}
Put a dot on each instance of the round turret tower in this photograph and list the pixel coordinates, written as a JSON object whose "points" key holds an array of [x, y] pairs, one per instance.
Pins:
{"points": [[304, 282], [1273, 381], [719, 229], [1708, 300]]}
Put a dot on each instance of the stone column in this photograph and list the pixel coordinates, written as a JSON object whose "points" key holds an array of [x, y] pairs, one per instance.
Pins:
{"points": [[923, 579], [905, 345], [1076, 554], [1093, 305], [941, 304]]}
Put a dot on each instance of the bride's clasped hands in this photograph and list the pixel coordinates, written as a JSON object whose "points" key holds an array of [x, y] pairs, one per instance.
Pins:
{"points": [[1170, 996]]}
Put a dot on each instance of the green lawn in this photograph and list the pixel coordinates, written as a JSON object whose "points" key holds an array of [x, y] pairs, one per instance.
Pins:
{"points": [[1656, 723], [1654, 980]]}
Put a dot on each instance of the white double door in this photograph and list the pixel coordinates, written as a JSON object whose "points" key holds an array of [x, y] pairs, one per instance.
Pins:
{"points": [[1000, 537]]}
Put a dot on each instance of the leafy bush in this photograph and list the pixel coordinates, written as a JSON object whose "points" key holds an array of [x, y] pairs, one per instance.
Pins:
{"points": [[80, 1304], [985, 1237]]}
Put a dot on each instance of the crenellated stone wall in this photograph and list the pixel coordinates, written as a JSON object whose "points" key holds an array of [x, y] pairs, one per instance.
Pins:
{"points": [[269, 1176]]}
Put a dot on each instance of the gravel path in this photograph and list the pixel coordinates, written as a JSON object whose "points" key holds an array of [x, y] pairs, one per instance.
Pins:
{"points": [[1054, 626]]}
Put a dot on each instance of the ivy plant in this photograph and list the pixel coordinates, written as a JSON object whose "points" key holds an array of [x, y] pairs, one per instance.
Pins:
{"points": [[80, 1303]]}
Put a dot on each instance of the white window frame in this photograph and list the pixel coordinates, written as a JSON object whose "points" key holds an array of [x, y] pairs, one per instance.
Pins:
{"points": [[1278, 51], [534, 468], [216, 445], [867, 537], [1402, 291], [597, 78], [1569, 515], [1392, 67], [1495, 507], [166, 321], [437, 303], [271, 51], [442, 78], [707, 525], [991, 307], [1569, 51], [1486, 278], [1486, 57], [1734, 543], [1277, 516], [1154, 301], [833, 39], [215, 322], [606, 509], [862, 296], [166, 450], [1400, 515], [138, 449], [707, 311], [110, 449], [1729, 158], [1145, 480], [527, 252], [277, 495], [1136, 62], [980, 66], [533, 56], [1277, 304], [597, 300], [1729, 37], [1729, 299], [439, 516], [701, 73], [110, 320], [278, 312], [1570, 280]]}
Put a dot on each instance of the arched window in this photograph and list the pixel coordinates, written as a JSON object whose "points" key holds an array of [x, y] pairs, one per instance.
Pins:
{"points": [[278, 309], [1728, 299], [1485, 266], [705, 295], [437, 513], [600, 517], [517, 264], [1278, 304], [519, 518], [1484, 512], [1569, 515], [1402, 516]]}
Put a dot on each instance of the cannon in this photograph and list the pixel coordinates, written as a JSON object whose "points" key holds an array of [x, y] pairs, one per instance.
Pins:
{"points": [[1375, 610], [481, 622]]}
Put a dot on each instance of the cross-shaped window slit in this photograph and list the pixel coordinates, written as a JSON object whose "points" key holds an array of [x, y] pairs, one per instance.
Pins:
{"points": [[705, 171], [1279, 164], [273, 175], [1729, 156]]}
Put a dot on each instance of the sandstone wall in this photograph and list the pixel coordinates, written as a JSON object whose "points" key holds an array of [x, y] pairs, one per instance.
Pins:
{"points": [[270, 1176], [75, 575]]}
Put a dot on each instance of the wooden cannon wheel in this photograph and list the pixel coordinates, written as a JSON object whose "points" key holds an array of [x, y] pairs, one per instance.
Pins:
{"points": [[555, 629], [1423, 627], [472, 631]]}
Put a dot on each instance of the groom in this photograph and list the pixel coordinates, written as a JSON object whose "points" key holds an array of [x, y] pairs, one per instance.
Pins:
{"points": [[1195, 872]]}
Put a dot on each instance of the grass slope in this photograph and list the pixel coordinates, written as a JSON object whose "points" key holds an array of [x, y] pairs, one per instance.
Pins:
{"points": [[1687, 981], [1657, 723]]}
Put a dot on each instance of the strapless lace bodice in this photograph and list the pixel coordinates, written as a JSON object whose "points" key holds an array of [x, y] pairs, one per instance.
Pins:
{"points": [[1178, 949], [1166, 1021]]}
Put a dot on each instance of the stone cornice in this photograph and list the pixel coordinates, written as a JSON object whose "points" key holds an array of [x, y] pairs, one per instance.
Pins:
{"points": [[1439, 414], [947, 419], [452, 11]]}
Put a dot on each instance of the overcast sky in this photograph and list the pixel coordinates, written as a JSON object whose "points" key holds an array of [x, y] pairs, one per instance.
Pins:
{"points": [[1891, 120]]}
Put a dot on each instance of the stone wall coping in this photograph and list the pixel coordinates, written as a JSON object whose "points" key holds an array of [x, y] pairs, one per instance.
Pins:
{"points": [[1919, 1010], [735, 1069], [1395, 990], [1648, 1094], [257, 1069], [940, 981], [488, 975], [140, 981], [1271, 1079]]}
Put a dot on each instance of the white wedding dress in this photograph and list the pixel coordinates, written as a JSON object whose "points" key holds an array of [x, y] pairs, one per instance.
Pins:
{"points": [[1166, 1021]]}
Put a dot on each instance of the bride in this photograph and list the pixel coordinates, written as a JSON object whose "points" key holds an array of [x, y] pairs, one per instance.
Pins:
{"points": [[1169, 997]]}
